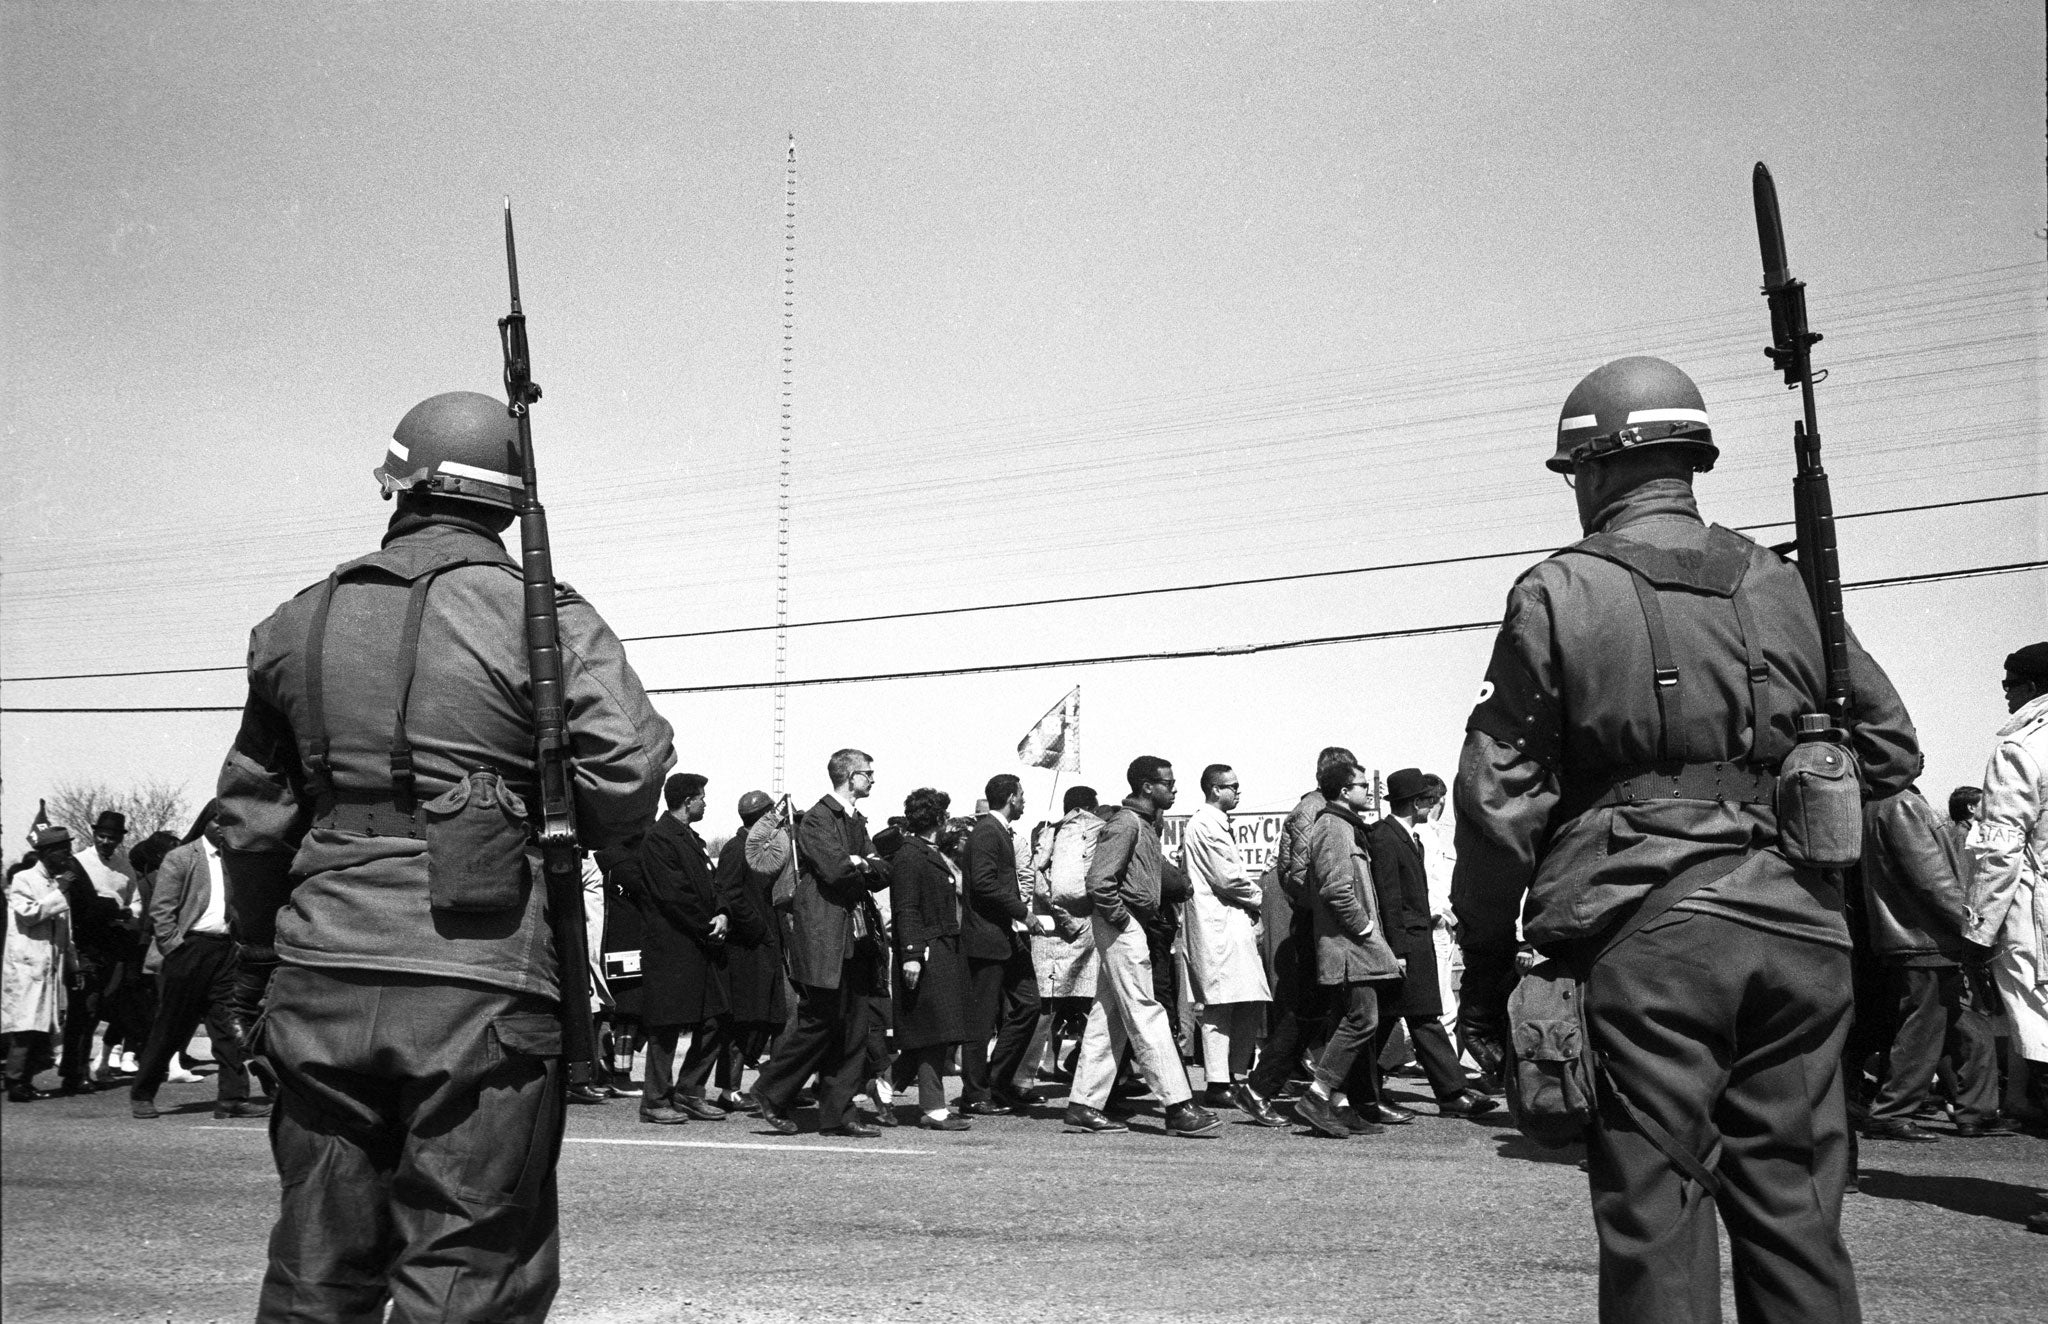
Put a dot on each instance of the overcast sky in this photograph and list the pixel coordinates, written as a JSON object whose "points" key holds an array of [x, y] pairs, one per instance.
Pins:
{"points": [[1088, 298]]}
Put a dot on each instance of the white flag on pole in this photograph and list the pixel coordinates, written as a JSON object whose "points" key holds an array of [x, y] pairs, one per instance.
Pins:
{"points": [[1055, 742]]}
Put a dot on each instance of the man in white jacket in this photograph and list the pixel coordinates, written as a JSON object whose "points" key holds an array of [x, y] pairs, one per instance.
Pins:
{"points": [[1221, 943], [2009, 847]]}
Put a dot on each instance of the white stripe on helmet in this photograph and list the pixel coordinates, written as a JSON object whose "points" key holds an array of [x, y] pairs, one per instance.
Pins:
{"points": [[398, 449], [1581, 421], [1698, 416], [481, 475]]}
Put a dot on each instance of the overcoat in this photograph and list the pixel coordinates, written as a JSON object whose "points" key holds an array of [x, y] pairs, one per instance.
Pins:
{"points": [[925, 898], [1350, 947], [682, 967], [994, 901], [753, 945], [38, 953], [829, 889], [1400, 879], [1221, 936]]}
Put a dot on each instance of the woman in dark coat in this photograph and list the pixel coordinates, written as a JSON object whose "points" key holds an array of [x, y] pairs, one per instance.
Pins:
{"points": [[931, 970]]}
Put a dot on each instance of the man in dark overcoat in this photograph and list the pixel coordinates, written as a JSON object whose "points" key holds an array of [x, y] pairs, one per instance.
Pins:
{"points": [[1416, 1000], [756, 992], [836, 953], [1003, 984], [1618, 791], [682, 959]]}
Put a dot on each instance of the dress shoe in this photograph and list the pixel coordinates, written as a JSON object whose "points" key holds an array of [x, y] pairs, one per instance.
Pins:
{"points": [[1257, 1109], [1387, 1114], [885, 1115], [1357, 1125], [1217, 1096], [71, 1089], [1013, 1101], [1990, 1126], [1899, 1128], [927, 1122], [694, 1107], [852, 1131], [1080, 1117], [586, 1094], [613, 1090], [985, 1108], [1191, 1121], [1321, 1116], [1469, 1103], [143, 1110], [242, 1108], [778, 1121], [663, 1115]]}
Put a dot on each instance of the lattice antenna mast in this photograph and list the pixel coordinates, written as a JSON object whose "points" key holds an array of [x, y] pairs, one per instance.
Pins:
{"points": [[782, 472]]}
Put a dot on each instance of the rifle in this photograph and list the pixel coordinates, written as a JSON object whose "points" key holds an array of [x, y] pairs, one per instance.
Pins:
{"points": [[1812, 504], [560, 858]]}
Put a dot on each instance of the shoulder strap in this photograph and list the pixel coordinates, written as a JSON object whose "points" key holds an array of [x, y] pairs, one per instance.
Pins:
{"points": [[1760, 711], [1664, 673], [316, 682], [404, 787]]}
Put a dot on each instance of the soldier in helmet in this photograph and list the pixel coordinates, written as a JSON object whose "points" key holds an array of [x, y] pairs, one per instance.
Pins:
{"points": [[1617, 788], [375, 836]]}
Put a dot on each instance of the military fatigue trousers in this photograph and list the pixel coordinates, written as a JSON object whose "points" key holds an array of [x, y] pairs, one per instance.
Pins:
{"points": [[417, 1126], [1730, 1037]]}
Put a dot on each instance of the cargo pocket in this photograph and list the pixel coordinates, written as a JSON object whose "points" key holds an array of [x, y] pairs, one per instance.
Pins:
{"points": [[516, 1128], [477, 837]]}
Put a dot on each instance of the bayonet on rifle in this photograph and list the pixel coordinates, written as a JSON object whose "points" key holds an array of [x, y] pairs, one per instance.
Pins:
{"points": [[1791, 352], [560, 859]]}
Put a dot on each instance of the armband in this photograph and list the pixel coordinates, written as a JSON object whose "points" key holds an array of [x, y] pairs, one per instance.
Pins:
{"points": [[1514, 709]]}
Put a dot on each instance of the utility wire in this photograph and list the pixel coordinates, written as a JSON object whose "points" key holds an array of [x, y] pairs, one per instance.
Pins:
{"points": [[1103, 597], [1224, 650]]}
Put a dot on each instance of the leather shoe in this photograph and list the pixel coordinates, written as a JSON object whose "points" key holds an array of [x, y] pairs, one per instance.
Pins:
{"points": [[1080, 1117], [1899, 1128], [1467, 1103], [1358, 1125], [852, 1131], [1990, 1126], [886, 1116], [691, 1106], [1387, 1114], [142, 1110], [1257, 1109], [1191, 1121], [1320, 1116], [242, 1108], [777, 1121], [985, 1108], [927, 1122], [585, 1094], [1011, 1101], [663, 1115]]}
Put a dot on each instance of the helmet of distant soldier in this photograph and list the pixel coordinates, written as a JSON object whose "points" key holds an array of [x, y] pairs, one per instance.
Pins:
{"points": [[1631, 403], [461, 445]]}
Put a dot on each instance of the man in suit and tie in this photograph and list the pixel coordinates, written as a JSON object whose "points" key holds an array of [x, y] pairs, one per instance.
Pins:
{"points": [[1401, 880], [995, 933]]}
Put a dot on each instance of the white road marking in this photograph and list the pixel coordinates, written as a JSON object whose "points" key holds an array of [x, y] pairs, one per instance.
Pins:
{"points": [[669, 1144]]}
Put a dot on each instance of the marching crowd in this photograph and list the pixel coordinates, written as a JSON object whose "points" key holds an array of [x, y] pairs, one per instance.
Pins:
{"points": [[1081, 955]]}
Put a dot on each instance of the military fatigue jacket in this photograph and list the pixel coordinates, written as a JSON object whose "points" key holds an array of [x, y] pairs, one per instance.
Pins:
{"points": [[1570, 700], [356, 901]]}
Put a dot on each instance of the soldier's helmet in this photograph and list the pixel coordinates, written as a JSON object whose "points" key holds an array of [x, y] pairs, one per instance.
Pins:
{"points": [[462, 445], [1632, 402]]}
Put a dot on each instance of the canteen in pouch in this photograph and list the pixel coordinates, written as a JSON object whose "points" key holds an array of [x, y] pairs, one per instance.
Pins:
{"points": [[1550, 1068], [477, 838], [1820, 806]]}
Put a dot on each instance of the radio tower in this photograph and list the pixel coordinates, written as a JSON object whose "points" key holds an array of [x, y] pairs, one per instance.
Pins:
{"points": [[782, 473]]}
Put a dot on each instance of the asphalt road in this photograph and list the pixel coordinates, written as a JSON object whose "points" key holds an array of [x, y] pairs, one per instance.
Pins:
{"points": [[111, 1219]]}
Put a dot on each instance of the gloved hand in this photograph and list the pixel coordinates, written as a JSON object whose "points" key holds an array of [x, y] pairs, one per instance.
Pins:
{"points": [[1490, 975]]}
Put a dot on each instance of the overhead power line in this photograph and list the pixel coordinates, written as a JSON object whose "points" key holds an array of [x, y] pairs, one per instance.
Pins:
{"points": [[1295, 577], [1163, 655]]}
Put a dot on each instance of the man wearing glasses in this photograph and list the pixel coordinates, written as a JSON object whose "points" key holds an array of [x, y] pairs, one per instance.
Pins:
{"points": [[1123, 885], [835, 957]]}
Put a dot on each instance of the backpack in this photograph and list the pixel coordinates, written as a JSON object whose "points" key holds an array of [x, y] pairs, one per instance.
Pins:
{"points": [[1073, 847]]}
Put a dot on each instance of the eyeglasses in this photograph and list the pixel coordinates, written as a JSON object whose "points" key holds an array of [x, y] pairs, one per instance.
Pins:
{"points": [[1226, 786], [1163, 781], [868, 773]]}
